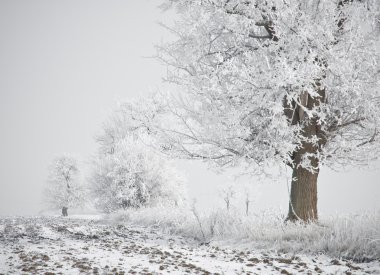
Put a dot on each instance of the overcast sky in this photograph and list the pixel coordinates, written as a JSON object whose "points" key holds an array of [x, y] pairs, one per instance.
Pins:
{"points": [[64, 64]]}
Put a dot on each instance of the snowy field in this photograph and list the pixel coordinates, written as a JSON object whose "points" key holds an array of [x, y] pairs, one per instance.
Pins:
{"points": [[92, 245]]}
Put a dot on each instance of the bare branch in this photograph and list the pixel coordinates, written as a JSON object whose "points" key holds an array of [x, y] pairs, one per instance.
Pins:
{"points": [[372, 139]]}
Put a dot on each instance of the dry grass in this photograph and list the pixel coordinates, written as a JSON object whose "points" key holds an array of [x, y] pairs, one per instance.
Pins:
{"points": [[355, 237]]}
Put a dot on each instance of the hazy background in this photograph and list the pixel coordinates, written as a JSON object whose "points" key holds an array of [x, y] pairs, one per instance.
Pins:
{"points": [[64, 64]]}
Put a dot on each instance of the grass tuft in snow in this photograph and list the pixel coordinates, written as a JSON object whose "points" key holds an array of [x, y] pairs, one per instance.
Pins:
{"points": [[355, 237]]}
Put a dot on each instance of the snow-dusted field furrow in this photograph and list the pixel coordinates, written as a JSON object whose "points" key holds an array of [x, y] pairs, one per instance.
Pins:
{"points": [[55, 245]]}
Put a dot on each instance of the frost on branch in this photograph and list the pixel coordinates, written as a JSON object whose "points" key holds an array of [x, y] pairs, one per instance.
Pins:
{"points": [[265, 81]]}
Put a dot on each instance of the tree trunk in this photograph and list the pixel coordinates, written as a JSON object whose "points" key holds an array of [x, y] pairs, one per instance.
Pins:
{"points": [[303, 196], [247, 206], [64, 211]]}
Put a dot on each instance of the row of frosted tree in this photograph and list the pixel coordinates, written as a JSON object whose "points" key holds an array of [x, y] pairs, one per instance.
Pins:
{"points": [[260, 84], [123, 173]]}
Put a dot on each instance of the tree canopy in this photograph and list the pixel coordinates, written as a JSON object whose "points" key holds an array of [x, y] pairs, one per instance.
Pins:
{"points": [[254, 74], [64, 187]]}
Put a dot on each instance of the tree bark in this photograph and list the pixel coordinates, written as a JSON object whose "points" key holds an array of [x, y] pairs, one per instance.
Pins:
{"points": [[303, 196], [64, 211]]}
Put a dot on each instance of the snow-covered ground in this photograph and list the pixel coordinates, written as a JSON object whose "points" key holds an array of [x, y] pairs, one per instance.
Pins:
{"points": [[89, 245]]}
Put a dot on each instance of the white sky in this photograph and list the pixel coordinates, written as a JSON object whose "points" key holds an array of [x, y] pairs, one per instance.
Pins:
{"points": [[64, 64]]}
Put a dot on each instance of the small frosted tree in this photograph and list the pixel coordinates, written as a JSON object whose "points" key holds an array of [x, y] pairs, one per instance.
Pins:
{"points": [[246, 194], [127, 173], [64, 189], [227, 193], [273, 82]]}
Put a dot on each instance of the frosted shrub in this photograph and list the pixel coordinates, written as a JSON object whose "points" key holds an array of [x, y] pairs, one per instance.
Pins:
{"points": [[126, 173], [134, 176]]}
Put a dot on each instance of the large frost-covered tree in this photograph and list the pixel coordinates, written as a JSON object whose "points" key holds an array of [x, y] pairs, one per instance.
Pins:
{"points": [[273, 81], [126, 173], [64, 188]]}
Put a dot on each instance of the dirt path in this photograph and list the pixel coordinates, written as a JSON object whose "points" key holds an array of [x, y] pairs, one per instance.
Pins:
{"points": [[51, 245]]}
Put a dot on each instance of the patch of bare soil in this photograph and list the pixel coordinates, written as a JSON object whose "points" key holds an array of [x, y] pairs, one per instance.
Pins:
{"points": [[55, 245]]}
